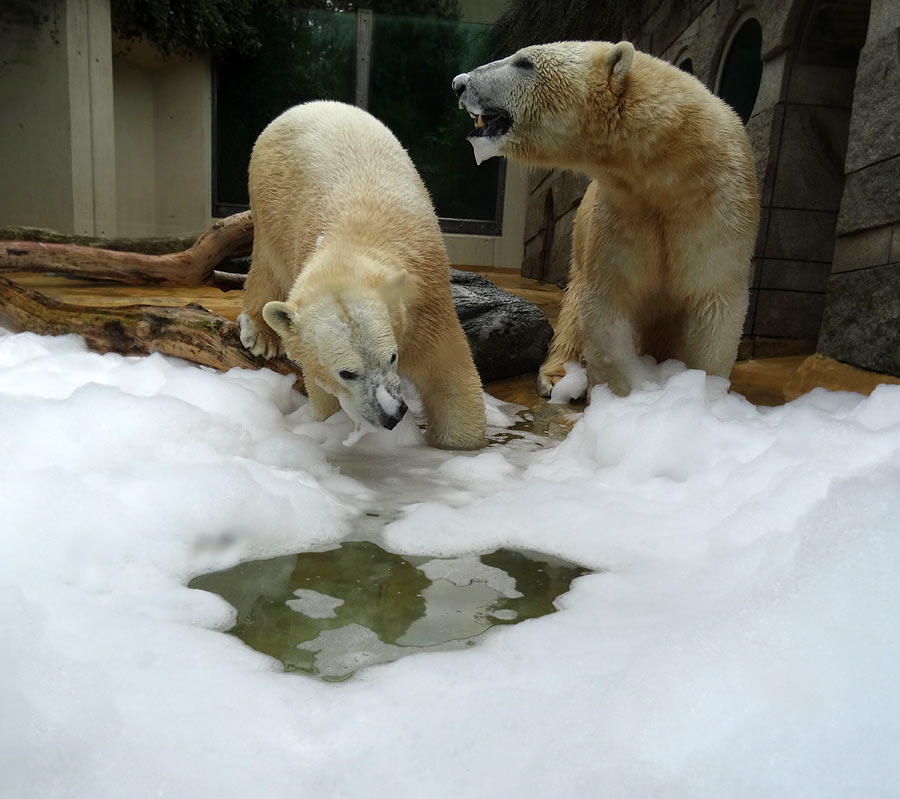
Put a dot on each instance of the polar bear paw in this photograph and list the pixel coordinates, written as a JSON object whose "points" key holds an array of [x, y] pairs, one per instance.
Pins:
{"points": [[549, 376], [259, 342]]}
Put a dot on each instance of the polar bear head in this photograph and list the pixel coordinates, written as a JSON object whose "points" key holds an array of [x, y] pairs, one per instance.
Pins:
{"points": [[534, 104], [344, 335]]}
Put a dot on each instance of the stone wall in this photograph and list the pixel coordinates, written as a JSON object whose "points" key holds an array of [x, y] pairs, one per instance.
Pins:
{"points": [[861, 323], [554, 198]]}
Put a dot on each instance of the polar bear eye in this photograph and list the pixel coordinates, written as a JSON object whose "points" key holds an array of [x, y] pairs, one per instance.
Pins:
{"points": [[523, 63], [394, 358], [346, 374]]}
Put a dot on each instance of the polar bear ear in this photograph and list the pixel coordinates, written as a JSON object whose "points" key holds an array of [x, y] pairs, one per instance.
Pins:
{"points": [[279, 316], [394, 285], [618, 62]]}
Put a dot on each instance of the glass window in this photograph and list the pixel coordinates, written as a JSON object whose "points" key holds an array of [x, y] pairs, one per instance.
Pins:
{"points": [[309, 55], [413, 62], [742, 70]]}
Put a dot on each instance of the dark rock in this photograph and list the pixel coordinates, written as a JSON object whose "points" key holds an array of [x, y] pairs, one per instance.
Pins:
{"points": [[861, 325], [509, 336]]}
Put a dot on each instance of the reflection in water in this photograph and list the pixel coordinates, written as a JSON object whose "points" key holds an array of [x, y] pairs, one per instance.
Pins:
{"points": [[331, 613]]}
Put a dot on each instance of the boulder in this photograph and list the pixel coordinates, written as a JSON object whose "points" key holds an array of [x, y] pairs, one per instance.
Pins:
{"points": [[508, 336]]}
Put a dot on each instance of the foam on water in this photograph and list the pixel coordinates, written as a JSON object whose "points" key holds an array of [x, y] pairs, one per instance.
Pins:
{"points": [[741, 640]]}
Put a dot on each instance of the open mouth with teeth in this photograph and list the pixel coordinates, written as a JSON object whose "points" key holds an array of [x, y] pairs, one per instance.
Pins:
{"points": [[491, 123]]}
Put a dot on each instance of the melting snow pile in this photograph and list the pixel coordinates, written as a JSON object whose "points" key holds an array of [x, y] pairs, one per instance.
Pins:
{"points": [[740, 636]]}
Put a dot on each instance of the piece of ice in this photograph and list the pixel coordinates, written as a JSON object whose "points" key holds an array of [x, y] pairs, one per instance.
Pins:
{"points": [[469, 569], [485, 147], [390, 405], [314, 604]]}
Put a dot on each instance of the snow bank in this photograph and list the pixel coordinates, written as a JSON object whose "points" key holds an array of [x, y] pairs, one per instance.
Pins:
{"points": [[739, 637]]}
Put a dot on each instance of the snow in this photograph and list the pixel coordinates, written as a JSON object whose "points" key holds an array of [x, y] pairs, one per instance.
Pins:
{"points": [[739, 636]]}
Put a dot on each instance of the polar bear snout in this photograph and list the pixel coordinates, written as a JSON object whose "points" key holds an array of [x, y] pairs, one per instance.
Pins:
{"points": [[459, 84], [391, 421], [482, 94], [386, 408]]}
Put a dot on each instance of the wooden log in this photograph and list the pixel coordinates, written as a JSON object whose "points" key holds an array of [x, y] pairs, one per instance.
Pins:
{"points": [[227, 281], [226, 238], [151, 245], [190, 332]]}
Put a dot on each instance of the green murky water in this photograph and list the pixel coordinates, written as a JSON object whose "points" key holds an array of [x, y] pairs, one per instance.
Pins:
{"points": [[331, 613]]}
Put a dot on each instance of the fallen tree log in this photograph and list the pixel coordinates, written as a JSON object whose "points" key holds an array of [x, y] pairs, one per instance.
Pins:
{"points": [[227, 238], [190, 332], [151, 245]]}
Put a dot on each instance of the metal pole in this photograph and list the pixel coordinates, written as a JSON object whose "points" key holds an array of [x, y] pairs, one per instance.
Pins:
{"points": [[363, 56]]}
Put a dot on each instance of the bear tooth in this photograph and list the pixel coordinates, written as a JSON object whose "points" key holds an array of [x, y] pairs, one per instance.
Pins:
{"points": [[479, 121]]}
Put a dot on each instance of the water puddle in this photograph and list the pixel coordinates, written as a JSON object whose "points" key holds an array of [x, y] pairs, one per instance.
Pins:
{"points": [[331, 613]]}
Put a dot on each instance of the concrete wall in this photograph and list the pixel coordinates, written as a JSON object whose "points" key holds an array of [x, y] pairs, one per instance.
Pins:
{"points": [[183, 146], [56, 122], [97, 143], [163, 151], [861, 323], [135, 157]]}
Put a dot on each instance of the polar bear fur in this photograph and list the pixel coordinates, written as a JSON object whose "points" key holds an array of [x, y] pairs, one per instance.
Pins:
{"points": [[350, 277], [664, 235]]}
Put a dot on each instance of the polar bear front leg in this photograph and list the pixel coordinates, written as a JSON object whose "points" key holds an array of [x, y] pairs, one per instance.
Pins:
{"points": [[566, 345], [712, 331], [260, 288], [322, 403], [610, 356], [258, 341], [451, 393]]}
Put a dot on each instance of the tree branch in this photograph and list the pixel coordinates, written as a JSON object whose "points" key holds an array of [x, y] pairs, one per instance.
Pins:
{"points": [[226, 238]]}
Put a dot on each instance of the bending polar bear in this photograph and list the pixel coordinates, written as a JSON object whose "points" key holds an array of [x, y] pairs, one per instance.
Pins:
{"points": [[349, 275], [665, 232]]}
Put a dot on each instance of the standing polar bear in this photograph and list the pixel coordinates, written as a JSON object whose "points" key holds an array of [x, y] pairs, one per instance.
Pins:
{"points": [[350, 277], [664, 235]]}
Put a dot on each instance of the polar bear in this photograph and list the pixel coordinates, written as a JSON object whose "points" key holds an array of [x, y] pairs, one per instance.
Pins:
{"points": [[664, 235], [350, 278]]}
